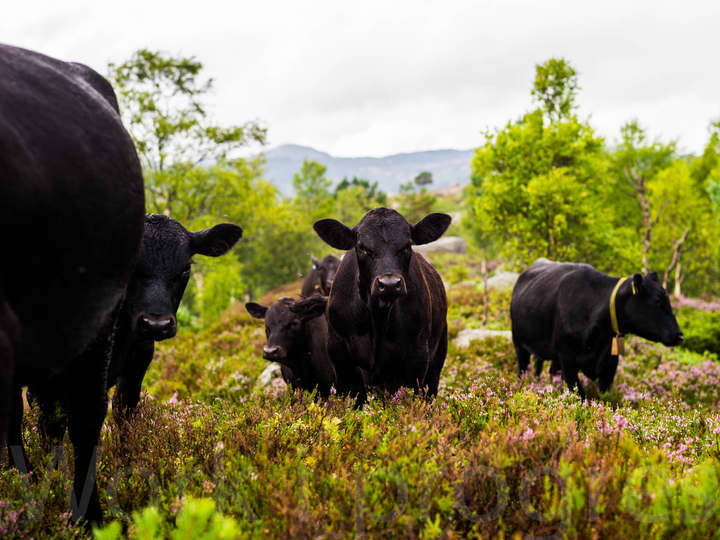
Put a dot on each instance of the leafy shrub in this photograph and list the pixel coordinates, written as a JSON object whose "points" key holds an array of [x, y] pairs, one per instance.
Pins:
{"points": [[701, 329]]}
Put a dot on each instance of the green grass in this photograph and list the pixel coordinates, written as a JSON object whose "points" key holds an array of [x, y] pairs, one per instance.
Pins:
{"points": [[491, 456]]}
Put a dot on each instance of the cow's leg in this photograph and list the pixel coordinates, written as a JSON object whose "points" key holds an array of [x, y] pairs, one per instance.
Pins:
{"points": [[523, 358], [432, 379], [9, 339], [127, 393], [607, 372], [538, 365], [570, 373], [16, 448], [53, 421], [555, 367], [85, 401]]}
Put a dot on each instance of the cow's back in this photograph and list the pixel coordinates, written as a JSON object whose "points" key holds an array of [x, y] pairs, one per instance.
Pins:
{"points": [[537, 302], [71, 205]]}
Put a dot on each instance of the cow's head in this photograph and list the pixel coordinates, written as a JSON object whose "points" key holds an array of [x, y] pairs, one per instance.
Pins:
{"points": [[326, 270], [163, 270], [647, 311], [285, 325], [383, 242]]}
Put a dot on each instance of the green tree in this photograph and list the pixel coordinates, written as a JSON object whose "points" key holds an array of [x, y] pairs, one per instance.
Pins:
{"points": [[162, 99], [372, 191], [685, 249], [425, 178], [706, 168], [312, 190], [634, 163], [555, 88], [539, 185], [415, 204]]}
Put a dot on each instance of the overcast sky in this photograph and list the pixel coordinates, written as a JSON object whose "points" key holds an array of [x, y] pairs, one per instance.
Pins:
{"points": [[375, 78]]}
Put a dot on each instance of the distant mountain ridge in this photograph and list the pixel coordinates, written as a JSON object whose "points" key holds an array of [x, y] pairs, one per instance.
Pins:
{"points": [[448, 167]]}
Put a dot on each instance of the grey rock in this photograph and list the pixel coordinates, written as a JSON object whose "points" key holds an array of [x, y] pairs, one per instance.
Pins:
{"points": [[503, 280], [271, 372], [477, 334], [446, 244]]}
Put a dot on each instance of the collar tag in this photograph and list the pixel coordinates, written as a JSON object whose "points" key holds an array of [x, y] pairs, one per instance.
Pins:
{"points": [[618, 346]]}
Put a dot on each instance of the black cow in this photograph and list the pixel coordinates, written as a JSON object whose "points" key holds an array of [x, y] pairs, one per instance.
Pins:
{"points": [[153, 297], [561, 312], [321, 276], [149, 311], [296, 338], [71, 216], [387, 309]]}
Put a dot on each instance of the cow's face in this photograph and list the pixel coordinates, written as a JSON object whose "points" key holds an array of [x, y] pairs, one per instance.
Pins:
{"points": [[383, 245], [163, 270], [284, 325], [648, 314], [326, 270]]}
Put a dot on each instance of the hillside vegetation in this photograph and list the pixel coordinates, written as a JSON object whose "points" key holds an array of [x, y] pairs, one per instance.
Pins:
{"points": [[492, 455]]}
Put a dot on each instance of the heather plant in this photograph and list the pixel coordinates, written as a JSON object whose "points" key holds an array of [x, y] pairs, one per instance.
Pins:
{"points": [[212, 451]]}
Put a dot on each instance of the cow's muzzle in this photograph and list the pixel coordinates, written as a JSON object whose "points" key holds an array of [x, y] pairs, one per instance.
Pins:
{"points": [[157, 327], [388, 287], [677, 339], [274, 353]]}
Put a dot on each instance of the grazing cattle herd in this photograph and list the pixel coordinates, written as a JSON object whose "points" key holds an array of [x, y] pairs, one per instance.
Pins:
{"points": [[90, 282]]}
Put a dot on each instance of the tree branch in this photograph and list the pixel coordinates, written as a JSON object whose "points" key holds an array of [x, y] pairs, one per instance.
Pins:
{"points": [[675, 256]]}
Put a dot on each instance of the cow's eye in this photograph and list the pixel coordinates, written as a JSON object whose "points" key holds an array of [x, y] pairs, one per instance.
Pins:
{"points": [[295, 324], [364, 251]]}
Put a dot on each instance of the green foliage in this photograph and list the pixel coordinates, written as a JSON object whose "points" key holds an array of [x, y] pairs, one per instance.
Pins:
{"points": [[493, 455], [701, 330], [312, 189], [415, 204], [706, 168], [683, 205], [425, 178], [162, 101], [372, 191], [198, 519], [555, 88], [539, 191]]}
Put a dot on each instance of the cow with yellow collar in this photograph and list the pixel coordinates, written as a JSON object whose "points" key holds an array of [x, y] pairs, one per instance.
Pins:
{"points": [[576, 316]]}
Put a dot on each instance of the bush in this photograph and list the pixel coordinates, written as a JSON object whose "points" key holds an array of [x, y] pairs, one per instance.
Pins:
{"points": [[701, 330]]}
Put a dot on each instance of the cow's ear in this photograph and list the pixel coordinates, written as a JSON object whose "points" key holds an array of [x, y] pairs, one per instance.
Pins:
{"points": [[653, 276], [256, 310], [335, 234], [310, 307], [430, 228], [215, 241], [638, 282], [315, 262]]}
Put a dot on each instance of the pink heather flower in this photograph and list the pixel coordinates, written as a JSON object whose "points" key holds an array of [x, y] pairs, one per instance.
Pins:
{"points": [[622, 422], [528, 435], [173, 399], [219, 447]]}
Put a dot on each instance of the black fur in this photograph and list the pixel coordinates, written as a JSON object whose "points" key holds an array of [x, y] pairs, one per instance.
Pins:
{"points": [[387, 309], [296, 338], [71, 212], [321, 276], [561, 312]]}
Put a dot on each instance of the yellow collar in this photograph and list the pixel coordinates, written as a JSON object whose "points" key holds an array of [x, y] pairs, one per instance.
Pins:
{"points": [[613, 314]]}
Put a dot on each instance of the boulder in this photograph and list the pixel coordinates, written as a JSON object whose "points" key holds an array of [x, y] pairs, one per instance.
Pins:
{"points": [[471, 334], [503, 280], [446, 244], [270, 373]]}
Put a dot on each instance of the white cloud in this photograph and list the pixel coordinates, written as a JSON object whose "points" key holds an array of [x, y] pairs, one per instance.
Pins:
{"points": [[382, 77]]}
